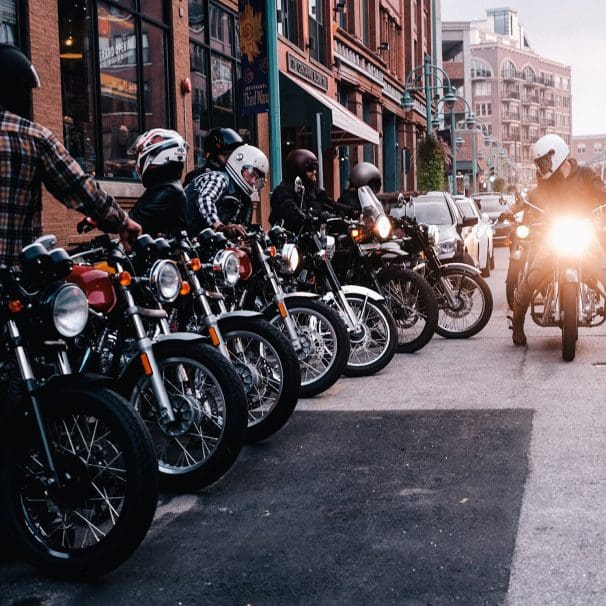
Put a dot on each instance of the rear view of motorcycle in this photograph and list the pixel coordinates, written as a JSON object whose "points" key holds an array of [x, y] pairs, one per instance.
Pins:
{"points": [[78, 472]]}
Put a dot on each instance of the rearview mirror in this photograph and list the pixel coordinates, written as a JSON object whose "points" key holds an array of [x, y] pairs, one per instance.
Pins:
{"points": [[299, 187]]}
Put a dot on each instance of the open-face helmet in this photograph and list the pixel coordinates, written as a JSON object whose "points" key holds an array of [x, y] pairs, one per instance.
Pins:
{"points": [[549, 153], [244, 162]]}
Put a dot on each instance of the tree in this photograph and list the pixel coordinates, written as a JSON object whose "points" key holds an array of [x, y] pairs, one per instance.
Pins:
{"points": [[499, 185], [432, 156]]}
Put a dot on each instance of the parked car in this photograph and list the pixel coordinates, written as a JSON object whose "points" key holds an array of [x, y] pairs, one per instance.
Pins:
{"points": [[455, 232], [493, 204], [481, 243]]}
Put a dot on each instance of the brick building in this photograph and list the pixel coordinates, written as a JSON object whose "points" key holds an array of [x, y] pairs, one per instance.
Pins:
{"points": [[111, 69]]}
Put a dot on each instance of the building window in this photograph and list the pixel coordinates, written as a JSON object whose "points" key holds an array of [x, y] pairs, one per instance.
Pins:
{"points": [[480, 69], [288, 25], [317, 33], [509, 70], [9, 24], [482, 88], [581, 148], [597, 147], [528, 74], [109, 101], [214, 59], [483, 109]]}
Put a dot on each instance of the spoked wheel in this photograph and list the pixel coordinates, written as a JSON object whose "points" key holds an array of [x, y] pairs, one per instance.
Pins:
{"points": [[269, 369], [374, 344], [413, 305], [209, 404], [472, 307], [570, 329], [90, 522], [324, 343], [512, 280]]}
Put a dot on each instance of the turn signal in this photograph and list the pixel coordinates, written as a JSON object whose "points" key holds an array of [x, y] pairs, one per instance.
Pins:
{"points": [[355, 233], [185, 289], [15, 306], [195, 264], [282, 309], [124, 278], [212, 332], [272, 251], [147, 369]]}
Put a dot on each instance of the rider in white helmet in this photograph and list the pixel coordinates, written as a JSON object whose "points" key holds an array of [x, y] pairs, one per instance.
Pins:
{"points": [[561, 185]]}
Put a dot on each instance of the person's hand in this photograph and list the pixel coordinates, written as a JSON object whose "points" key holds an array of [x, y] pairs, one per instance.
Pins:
{"points": [[129, 232], [233, 230], [506, 215]]}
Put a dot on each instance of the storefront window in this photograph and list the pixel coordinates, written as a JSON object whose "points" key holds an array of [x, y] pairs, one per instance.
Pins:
{"points": [[8, 22], [130, 89]]}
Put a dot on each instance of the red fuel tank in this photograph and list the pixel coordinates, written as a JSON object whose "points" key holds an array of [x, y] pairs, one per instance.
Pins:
{"points": [[97, 285]]}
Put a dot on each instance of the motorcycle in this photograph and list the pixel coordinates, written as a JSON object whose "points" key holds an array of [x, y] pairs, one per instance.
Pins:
{"points": [[464, 298], [78, 472], [571, 296], [316, 331], [189, 396], [367, 255]]}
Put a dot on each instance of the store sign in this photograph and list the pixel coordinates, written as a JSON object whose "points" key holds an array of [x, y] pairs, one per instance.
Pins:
{"points": [[296, 66], [253, 46]]}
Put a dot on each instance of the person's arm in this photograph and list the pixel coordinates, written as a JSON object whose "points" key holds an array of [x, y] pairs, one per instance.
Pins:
{"points": [[210, 188], [287, 208]]}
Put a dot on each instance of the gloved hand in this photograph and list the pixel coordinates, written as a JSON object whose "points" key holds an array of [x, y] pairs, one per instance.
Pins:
{"points": [[506, 216], [233, 230]]}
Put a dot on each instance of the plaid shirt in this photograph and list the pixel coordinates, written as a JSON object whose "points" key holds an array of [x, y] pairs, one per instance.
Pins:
{"points": [[30, 155], [210, 186]]}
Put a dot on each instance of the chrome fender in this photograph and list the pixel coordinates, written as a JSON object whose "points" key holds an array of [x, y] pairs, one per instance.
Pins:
{"points": [[241, 314], [468, 269], [353, 289]]}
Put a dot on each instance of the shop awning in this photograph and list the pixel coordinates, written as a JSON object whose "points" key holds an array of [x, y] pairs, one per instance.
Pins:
{"points": [[346, 127]]}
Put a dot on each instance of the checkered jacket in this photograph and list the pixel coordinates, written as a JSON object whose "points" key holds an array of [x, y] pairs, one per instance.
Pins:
{"points": [[30, 155]]}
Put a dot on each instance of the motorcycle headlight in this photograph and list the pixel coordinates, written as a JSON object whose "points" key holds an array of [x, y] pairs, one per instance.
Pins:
{"points": [[571, 236], [383, 227], [522, 231], [290, 257], [165, 280], [67, 307], [330, 246], [227, 265]]}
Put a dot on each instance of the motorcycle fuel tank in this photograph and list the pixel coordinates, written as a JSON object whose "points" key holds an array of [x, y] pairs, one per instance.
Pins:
{"points": [[97, 285]]}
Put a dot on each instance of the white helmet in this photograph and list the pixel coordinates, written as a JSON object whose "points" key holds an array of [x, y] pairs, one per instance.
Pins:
{"points": [[247, 159], [549, 153], [158, 147]]}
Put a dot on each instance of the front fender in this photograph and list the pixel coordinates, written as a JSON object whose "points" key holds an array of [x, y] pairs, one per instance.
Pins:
{"points": [[300, 294], [354, 289], [242, 314], [178, 336], [463, 267], [85, 380]]}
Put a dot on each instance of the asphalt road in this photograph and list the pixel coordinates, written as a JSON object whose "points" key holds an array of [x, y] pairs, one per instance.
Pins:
{"points": [[471, 472]]}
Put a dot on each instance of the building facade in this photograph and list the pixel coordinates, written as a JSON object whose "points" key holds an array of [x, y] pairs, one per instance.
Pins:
{"points": [[112, 69]]}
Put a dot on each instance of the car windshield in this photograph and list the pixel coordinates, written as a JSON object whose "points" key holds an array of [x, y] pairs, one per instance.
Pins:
{"points": [[466, 208], [432, 213], [491, 204]]}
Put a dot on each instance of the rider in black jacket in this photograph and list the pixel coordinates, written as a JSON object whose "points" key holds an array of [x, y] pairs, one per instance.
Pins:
{"points": [[562, 185], [160, 159], [363, 173]]}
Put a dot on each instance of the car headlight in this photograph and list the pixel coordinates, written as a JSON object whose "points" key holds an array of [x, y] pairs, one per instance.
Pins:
{"points": [[165, 280], [383, 226], [446, 246], [227, 265], [67, 307], [290, 257]]}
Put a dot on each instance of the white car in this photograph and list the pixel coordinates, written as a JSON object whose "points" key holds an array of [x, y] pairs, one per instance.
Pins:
{"points": [[481, 244]]}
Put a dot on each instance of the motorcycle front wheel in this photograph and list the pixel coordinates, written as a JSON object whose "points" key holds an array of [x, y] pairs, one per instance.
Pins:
{"points": [[472, 308], [374, 345], [324, 343], [570, 329], [209, 404], [269, 369], [413, 305], [99, 514], [511, 281]]}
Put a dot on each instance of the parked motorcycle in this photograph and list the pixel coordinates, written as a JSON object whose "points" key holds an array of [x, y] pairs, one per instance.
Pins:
{"points": [[464, 298], [78, 472], [188, 394]]}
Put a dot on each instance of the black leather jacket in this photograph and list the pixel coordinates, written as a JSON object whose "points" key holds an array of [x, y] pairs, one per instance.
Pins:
{"points": [[161, 209]]}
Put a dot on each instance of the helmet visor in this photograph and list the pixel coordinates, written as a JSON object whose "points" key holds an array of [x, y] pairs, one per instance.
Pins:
{"points": [[543, 164], [254, 177]]}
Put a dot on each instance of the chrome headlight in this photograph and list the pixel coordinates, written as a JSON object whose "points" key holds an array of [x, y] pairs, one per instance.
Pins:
{"points": [[383, 227], [331, 245], [227, 264], [165, 279], [68, 308], [446, 246], [290, 257], [571, 237], [433, 234]]}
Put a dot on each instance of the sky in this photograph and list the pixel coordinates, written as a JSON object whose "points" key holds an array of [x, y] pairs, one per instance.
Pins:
{"points": [[572, 33]]}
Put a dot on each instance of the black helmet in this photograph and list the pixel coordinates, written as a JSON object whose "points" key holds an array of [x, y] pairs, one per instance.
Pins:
{"points": [[298, 162], [18, 77], [221, 141], [365, 173]]}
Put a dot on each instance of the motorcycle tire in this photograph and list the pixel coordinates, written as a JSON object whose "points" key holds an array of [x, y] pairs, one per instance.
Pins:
{"points": [[361, 364], [335, 333], [466, 285], [511, 281], [570, 329], [412, 303], [212, 423], [274, 374], [62, 537]]}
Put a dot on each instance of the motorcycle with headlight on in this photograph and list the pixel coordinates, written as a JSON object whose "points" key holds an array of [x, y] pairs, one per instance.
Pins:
{"points": [[78, 472], [189, 396], [570, 295]]}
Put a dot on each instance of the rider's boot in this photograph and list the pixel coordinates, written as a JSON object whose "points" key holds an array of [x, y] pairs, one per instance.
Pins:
{"points": [[517, 324]]}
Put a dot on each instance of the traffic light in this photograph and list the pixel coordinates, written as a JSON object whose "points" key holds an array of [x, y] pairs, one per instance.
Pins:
{"points": [[491, 174]]}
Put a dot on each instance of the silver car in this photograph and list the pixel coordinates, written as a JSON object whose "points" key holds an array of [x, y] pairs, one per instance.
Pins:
{"points": [[481, 243]]}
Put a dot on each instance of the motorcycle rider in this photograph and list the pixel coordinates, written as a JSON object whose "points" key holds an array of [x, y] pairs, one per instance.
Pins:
{"points": [[561, 185], [218, 144], [31, 155], [162, 209], [220, 199], [363, 173]]}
